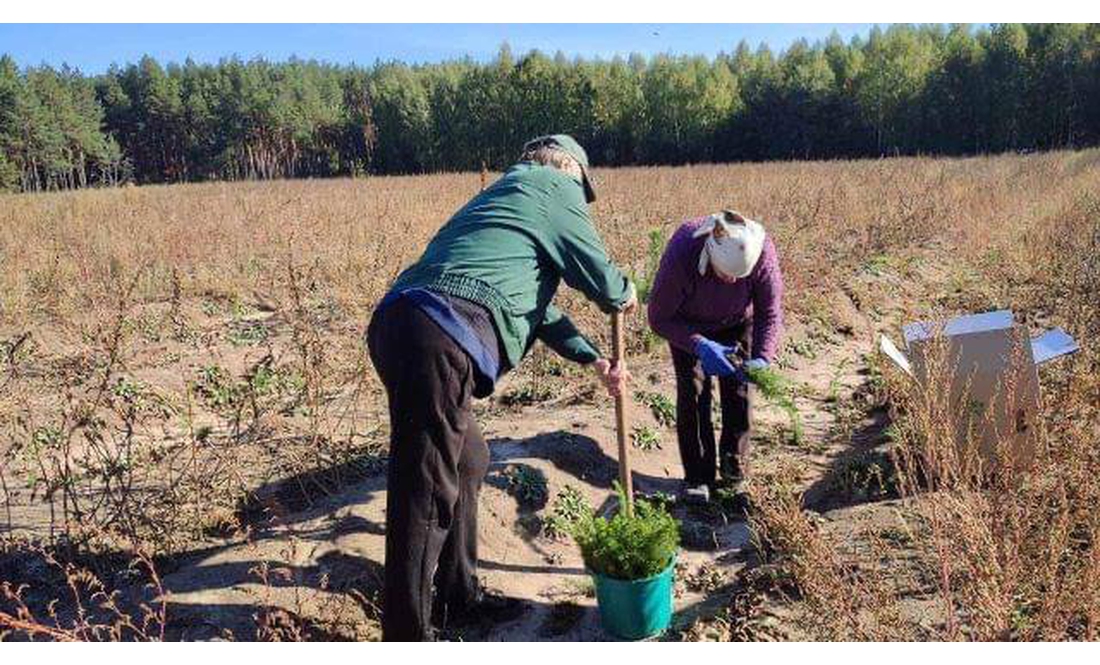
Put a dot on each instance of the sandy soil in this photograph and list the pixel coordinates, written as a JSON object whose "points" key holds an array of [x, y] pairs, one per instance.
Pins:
{"points": [[322, 558], [338, 543]]}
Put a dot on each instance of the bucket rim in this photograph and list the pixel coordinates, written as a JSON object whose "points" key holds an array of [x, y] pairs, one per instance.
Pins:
{"points": [[664, 571]]}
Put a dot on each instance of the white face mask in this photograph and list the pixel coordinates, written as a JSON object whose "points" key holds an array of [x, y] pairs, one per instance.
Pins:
{"points": [[733, 246]]}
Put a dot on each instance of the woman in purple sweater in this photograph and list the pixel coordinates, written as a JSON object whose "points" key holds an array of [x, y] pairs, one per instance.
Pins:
{"points": [[718, 291]]}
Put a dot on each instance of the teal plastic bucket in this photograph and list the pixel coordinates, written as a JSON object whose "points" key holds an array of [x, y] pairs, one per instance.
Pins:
{"points": [[634, 609]]}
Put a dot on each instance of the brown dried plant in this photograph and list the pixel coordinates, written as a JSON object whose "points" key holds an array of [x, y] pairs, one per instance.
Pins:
{"points": [[168, 354]]}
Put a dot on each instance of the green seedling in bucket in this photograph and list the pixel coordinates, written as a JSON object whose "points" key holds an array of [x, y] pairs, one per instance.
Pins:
{"points": [[632, 560]]}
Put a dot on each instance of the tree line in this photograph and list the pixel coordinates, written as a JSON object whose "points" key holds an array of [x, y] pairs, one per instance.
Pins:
{"points": [[901, 90]]}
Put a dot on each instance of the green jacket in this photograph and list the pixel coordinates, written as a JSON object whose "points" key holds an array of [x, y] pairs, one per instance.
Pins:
{"points": [[510, 247]]}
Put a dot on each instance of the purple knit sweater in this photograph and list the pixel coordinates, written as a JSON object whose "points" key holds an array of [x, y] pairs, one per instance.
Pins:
{"points": [[685, 305]]}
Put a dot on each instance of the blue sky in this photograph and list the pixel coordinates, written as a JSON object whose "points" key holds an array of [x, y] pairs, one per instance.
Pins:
{"points": [[93, 47]]}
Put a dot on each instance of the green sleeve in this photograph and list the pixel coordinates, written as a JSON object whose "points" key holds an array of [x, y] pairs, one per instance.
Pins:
{"points": [[559, 333], [583, 258]]}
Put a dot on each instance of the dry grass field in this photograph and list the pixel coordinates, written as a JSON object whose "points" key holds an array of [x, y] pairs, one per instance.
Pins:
{"points": [[182, 376]]}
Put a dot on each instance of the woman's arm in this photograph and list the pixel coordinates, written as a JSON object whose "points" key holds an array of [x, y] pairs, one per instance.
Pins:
{"points": [[767, 304], [670, 289]]}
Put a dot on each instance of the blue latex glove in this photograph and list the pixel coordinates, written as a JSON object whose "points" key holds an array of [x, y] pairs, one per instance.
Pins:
{"points": [[712, 356]]}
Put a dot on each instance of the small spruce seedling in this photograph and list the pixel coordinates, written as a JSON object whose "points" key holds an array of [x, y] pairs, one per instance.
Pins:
{"points": [[628, 547]]}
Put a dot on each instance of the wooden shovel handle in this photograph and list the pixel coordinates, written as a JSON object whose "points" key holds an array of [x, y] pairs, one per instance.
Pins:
{"points": [[619, 361]]}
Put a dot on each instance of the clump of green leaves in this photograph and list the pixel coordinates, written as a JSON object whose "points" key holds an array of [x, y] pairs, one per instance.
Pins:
{"points": [[220, 391], [706, 579], [778, 390], [628, 547], [128, 390], [248, 333], [662, 408], [869, 476], [654, 251], [644, 282], [530, 392], [527, 484], [805, 348], [645, 438], [569, 508], [42, 441], [216, 387]]}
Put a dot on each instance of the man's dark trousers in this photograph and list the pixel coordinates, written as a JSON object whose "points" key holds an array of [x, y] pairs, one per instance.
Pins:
{"points": [[438, 459], [694, 426]]}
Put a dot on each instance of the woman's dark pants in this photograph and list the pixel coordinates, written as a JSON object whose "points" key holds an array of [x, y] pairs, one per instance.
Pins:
{"points": [[694, 426], [438, 459]]}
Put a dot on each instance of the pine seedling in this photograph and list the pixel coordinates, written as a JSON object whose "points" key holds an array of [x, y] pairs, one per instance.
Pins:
{"points": [[779, 391]]}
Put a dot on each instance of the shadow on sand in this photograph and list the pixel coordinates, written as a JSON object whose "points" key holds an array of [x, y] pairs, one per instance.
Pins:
{"points": [[226, 590], [862, 473]]}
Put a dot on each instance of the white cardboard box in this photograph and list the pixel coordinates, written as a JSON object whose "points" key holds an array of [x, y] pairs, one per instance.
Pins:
{"points": [[990, 363]]}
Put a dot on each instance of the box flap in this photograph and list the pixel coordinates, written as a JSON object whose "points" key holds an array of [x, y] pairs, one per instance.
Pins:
{"points": [[1052, 344], [961, 325], [894, 354]]}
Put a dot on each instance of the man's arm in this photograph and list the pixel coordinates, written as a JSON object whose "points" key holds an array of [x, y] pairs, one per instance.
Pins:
{"points": [[558, 332], [584, 262]]}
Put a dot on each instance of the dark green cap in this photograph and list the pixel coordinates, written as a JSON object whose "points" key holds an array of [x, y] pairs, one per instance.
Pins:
{"points": [[574, 149]]}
